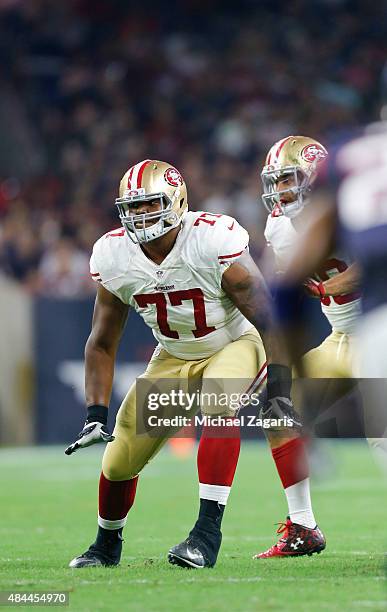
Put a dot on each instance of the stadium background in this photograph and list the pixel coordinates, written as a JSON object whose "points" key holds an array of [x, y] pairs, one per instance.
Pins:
{"points": [[89, 87]]}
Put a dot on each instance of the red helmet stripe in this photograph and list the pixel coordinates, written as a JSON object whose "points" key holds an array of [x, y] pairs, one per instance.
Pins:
{"points": [[134, 172], [141, 172], [136, 169], [130, 178], [281, 144]]}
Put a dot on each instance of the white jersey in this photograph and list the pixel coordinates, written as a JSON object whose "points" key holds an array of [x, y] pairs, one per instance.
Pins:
{"points": [[342, 311], [181, 299]]}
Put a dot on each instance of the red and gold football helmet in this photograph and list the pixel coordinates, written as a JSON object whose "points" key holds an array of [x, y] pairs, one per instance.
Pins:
{"points": [[147, 181], [297, 157]]}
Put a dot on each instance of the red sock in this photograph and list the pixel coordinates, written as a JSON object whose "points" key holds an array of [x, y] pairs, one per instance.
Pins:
{"points": [[217, 461], [115, 500], [291, 461], [292, 465]]}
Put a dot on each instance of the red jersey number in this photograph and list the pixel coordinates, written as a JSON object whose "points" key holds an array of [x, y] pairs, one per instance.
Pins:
{"points": [[204, 218], [175, 299]]}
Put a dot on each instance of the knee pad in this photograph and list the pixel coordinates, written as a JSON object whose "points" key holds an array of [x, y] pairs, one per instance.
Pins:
{"points": [[114, 473]]}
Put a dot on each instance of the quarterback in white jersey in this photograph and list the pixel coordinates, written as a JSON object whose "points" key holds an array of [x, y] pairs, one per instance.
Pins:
{"points": [[288, 175], [190, 277], [356, 173]]}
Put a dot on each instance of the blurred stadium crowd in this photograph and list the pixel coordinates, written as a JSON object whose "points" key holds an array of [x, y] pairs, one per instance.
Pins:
{"points": [[89, 87]]}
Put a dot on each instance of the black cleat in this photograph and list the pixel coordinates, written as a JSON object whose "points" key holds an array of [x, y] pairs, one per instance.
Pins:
{"points": [[187, 554], [99, 556], [196, 551], [92, 559]]}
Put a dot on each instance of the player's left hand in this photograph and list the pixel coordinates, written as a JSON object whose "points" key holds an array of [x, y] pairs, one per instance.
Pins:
{"points": [[279, 408], [92, 433], [275, 400], [314, 288]]}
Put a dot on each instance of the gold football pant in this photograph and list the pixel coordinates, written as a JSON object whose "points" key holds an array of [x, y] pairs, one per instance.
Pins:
{"points": [[240, 361], [332, 363], [331, 359]]}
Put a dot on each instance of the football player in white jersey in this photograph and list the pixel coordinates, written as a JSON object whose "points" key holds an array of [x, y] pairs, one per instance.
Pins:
{"points": [[190, 277], [288, 175], [356, 173]]}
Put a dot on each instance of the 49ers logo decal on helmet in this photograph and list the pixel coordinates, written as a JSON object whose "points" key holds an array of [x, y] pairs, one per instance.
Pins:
{"points": [[313, 152], [173, 177], [131, 193]]}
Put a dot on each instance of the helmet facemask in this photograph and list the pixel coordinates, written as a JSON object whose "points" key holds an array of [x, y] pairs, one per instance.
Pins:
{"points": [[136, 226], [271, 197]]}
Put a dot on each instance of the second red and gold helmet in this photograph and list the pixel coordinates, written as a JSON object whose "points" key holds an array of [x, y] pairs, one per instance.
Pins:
{"points": [[147, 181], [297, 157]]}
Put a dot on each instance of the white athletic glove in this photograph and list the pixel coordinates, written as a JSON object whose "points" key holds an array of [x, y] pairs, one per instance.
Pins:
{"points": [[94, 430]]}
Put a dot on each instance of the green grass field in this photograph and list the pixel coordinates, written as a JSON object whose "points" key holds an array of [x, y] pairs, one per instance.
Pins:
{"points": [[48, 515]]}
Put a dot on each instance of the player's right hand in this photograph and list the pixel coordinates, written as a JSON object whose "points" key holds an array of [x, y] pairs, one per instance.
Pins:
{"points": [[92, 433], [314, 288]]}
